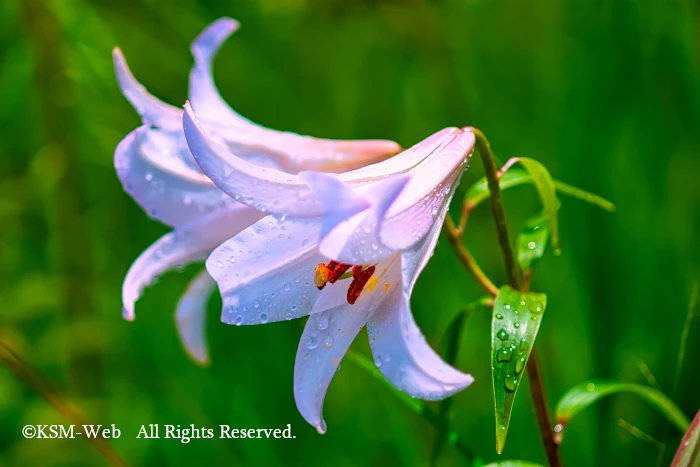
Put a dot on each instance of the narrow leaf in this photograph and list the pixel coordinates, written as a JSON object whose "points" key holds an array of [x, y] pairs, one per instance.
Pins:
{"points": [[688, 454], [479, 191], [580, 397], [545, 187], [532, 241], [639, 434], [516, 320]]}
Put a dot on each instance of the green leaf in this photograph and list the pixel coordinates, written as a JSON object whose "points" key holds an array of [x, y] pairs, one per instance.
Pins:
{"points": [[688, 454], [516, 320], [532, 241], [513, 464], [548, 194], [479, 191], [583, 395]]}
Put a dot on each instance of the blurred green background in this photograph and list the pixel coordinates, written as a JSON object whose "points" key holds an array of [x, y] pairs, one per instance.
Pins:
{"points": [[604, 92]]}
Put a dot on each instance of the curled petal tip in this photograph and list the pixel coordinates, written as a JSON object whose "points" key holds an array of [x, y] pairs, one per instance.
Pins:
{"points": [[128, 312], [321, 427]]}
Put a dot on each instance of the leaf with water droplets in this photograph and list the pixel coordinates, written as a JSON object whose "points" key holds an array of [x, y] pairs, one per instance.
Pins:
{"points": [[583, 395], [532, 241], [548, 194], [516, 320], [688, 453]]}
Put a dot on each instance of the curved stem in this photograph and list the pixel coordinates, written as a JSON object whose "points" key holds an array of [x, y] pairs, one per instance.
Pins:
{"points": [[539, 398], [492, 176], [465, 256]]}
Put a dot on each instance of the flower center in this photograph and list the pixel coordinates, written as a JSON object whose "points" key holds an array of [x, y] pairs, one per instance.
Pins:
{"points": [[333, 271]]}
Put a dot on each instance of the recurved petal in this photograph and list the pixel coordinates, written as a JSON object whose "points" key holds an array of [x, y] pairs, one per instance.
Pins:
{"points": [[266, 273], [191, 314], [203, 93], [190, 242], [157, 170], [152, 110], [405, 358], [325, 341], [400, 349], [264, 189]]}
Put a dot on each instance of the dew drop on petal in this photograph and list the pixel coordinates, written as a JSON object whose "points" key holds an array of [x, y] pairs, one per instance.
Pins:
{"points": [[311, 343], [239, 320], [264, 317], [323, 323]]}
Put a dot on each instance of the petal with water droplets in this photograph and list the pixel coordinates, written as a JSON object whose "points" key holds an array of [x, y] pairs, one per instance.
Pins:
{"points": [[190, 242], [266, 273], [190, 316]]}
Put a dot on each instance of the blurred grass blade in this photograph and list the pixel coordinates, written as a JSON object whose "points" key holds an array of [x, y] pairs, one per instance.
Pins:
{"points": [[639, 434], [415, 405], [31, 377], [450, 350], [548, 194], [688, 454], [532, 241], [479, 191], [513, 464], [516, 320], [583, 395]]}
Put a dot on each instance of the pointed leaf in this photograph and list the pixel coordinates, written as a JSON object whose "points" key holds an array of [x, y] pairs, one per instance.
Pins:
{"points": [[688, 454], [583, 395], [516, 320], [479, 191], [532, 241], [545, 187]]}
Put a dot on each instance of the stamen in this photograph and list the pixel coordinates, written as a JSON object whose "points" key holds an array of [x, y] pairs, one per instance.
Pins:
{"points": [[359, 280], [329, 273]]}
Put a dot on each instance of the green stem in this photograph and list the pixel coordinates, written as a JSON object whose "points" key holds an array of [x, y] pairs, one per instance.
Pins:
{"points": [[491, 171], [467, 259], [539, 398]]}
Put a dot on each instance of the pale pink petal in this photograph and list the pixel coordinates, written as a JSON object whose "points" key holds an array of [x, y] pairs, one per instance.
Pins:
{"points": [[152, 166], [152, 110], [266, 273], [190, 316], [190, 242], [399, 348]]}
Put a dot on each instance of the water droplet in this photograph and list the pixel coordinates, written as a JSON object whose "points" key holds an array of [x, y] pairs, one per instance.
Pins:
{"points": [[239, 320], [502, 334], [524, 345], [264, 317], [149, 177], [536, 307], [511, 383], [532, 245], [386, 358], [378, 361], [323, 323], [516, 324], [506, 306], [590, 387], [287, 287], [558, 428], [311, 343], [499, 316], [520, 364], [288, 316], [504, 354], [328, 341], [219, 264]]}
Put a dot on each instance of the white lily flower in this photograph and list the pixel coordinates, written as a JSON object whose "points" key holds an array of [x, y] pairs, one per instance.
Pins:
{"points": [[157, 170], [378, 224]]}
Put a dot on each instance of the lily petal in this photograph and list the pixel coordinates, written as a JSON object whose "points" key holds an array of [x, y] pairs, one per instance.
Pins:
{"points": [[203, 94], [399, 348], [152, 110], [266, 273], [190, 316], [354, 238], [152, 166], [190, 242], [427, 193], [325, 341]]}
